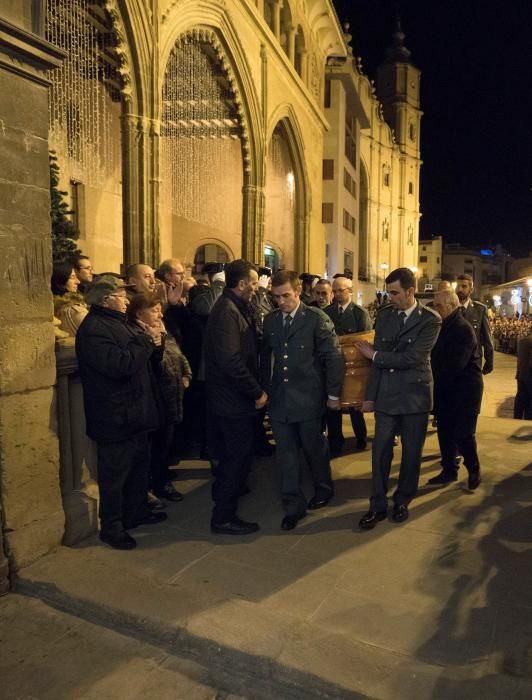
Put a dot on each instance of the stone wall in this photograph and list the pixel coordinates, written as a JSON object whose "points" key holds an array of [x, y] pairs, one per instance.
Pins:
{"points": [[30, 499]]}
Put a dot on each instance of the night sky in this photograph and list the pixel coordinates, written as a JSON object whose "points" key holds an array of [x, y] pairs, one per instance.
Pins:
{"points": [[476, 95]]}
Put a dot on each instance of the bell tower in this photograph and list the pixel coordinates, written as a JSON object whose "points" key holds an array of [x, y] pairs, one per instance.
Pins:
{"points": [[398, 82]]}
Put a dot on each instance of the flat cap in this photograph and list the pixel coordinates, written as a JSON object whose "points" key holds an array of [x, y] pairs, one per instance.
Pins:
{"points": [[102, 286]]}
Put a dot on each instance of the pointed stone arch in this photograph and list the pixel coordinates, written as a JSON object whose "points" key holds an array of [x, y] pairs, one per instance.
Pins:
{"points": [[284, 116], [212, 21]]}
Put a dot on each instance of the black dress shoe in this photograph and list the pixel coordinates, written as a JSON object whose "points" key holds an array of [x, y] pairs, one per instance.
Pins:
{"points": [[371, 518], [316, 502], [400, 513], [473, 480], [170, 493], [361, 444], [234, 527], [290, 521], [442, 478], [149, 519], [118, 540]]}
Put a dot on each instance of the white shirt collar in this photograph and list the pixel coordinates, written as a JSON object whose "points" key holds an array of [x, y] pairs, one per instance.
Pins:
{"points": [[343, 306], [409, 311], [292, 313], [467, 303]]}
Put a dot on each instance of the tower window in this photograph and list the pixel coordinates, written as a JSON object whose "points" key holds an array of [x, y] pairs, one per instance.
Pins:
{"points": [[410, 188], [327, 213], [328, 169]]}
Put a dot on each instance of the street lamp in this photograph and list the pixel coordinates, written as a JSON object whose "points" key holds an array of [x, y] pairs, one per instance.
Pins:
{"points": [[384, 266]]}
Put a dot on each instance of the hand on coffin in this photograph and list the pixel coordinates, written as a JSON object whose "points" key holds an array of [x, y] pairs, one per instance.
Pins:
{"points": [[365, 348], [368, 406]]}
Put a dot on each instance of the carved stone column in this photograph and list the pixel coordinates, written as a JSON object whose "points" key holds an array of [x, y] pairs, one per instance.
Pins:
{"points": [[276, 11], [140, 177], [292, 44], [304, 66], [253, 223]]}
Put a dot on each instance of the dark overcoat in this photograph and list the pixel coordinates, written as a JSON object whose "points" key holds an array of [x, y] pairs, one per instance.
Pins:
{"points": [[307, 364], [115, 360], [456, 369], [231, 357]]}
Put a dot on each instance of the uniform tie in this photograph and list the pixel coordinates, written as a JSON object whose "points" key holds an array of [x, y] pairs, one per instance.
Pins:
{"points": [[402, 316], [340, 310], [287, 324]]}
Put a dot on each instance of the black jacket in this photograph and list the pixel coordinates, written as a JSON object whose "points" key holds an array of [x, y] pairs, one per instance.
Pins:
{"points": [[115, 364], [231, 357], [455, 361]]}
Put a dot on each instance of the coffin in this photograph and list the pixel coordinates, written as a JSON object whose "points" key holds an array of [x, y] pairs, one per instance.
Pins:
{"points": [[356, 368]]}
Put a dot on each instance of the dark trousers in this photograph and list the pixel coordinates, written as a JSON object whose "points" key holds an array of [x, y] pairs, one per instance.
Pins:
{"points": [[307, 435], [457, 430], [523, 400], [195, 419], [412, 428], [232, 438], [161, 444], [123, 477], [334, 427]]}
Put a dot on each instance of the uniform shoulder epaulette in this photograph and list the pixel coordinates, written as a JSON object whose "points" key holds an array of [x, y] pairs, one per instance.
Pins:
{"points": [[430, 310], [478, 303]]}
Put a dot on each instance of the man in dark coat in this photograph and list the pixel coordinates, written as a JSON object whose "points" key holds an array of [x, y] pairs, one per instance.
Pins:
{"points": [[233, 393], [458, 390], [307, 376], [523, 398], [399, 391], [477, 315], [347, 318], [120, 407]]}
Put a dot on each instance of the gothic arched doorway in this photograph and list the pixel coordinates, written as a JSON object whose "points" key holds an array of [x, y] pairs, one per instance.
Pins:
{"points": [[201, 150]]}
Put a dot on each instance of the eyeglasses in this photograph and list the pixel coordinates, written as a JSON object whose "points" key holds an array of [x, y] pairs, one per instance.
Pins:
{"points": [[89, 267]]}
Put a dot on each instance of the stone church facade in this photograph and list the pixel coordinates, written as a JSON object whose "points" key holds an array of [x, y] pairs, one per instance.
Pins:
{"points": [[184, 128]]}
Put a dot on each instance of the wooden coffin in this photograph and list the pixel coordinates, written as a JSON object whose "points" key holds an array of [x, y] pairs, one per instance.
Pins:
{"points": [[356, 368]]}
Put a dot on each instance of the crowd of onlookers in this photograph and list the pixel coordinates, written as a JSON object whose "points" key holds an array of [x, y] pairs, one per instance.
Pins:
{"points": [[508, 331], [141, 343]]}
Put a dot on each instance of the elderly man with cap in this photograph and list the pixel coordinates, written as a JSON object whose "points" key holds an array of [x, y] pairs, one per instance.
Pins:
{"points": [[202, 304], [308, 282], [115, 361]]}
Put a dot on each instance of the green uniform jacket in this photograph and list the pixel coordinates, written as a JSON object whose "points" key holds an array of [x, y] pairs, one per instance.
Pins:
{"points": [[353, 320], [400, 380], [307, 365]]}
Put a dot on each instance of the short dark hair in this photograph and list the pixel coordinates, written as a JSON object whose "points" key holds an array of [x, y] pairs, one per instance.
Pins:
{"points": [[465, 276], [237, 270], [404, 276], [60, 274], [76, 259], [323, 281], [283, 276]]}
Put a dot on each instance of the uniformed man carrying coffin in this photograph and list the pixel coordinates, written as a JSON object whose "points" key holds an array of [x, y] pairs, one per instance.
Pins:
{"points": [[399, 391], [307, 377]]}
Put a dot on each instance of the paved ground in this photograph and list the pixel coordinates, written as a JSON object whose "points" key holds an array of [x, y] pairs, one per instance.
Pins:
{"points": [[438, 607]]}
